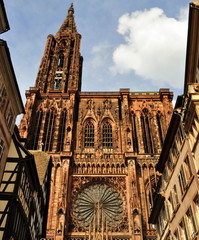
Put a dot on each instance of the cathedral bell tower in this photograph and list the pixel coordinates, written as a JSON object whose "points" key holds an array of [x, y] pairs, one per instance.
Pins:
{"points": [[56, 87], [104, 146], [61, 65]]}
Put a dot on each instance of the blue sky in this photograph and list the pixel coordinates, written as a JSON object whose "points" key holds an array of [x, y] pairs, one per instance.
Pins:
{"points": [[138, 44]]}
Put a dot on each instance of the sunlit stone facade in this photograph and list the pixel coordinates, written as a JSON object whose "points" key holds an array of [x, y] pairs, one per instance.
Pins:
{"points": [[104, 146], [176, 202]]}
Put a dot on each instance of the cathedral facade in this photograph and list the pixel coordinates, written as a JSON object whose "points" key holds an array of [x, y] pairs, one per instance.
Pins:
{"points": [[104, 146]]}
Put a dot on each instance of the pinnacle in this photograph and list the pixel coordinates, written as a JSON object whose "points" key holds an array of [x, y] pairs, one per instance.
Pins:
{"points": [[69, 23]]}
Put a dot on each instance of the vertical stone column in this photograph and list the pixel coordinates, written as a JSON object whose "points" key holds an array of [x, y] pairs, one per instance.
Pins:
{"points": [[58, 199], [134, 201], [139, 132], [127, 141], [62, 200]]}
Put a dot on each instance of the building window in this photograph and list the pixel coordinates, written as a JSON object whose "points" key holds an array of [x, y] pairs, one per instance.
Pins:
{"points": [[175, 193], [57, 80], [180, 134], [60, 61], [182, 180], [191, 223], [89, 135], [37, 128], [171, 203], [2, 146], [188, 168], [146, 132], [175, 150], [183, 231], [177, 235], [61, 135], [196, 208], [107, 139], [49, 130], [3, 96], [134, 132], [170, 162], [160, 130], [9, 117]]}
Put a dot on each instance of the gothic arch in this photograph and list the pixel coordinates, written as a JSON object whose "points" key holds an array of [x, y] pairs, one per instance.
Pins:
{"points": [[61, 131], [89, 133], [37, 129], [134, 131], [49, 129], [160, 123], [60, 61], [146, 131], [107, 133]]}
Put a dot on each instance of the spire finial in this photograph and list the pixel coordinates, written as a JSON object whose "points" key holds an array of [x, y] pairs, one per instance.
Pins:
{"points": [[71, 10]]}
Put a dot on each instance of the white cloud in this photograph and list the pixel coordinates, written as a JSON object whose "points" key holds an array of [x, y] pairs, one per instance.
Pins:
{"points": [[100, 54], [154, 46]]}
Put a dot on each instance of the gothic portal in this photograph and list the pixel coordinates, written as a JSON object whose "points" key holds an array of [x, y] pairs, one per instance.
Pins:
{"points": [[104, 146]]}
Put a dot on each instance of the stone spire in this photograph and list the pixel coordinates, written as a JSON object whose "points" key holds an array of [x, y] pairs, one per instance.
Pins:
{"points": [[68, 26]]}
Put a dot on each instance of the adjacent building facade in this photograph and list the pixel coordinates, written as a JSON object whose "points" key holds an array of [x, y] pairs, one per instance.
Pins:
{"points": [[24, 176], [10, 99], [176, 201], [24, 192], [104, 146]]}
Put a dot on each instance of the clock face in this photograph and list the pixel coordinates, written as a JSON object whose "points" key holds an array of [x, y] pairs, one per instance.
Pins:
{"points": [[98, 205]]}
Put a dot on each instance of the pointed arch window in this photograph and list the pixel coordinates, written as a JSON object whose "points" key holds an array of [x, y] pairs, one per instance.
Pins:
{"points": [[60, 61], [146, 132], [107, 138], [61, 134], [134, 132], [49, 130], [89, 135], [37, 129], [160, 130]]}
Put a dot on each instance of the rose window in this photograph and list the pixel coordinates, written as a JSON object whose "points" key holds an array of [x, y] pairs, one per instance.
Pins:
{"points": [[98, 206]]}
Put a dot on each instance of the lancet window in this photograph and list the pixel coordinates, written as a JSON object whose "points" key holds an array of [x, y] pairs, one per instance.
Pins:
{"points": [[160, 130], [61, 134], [134, 132], [89, 134], [107, 138], [49, 130], [60, 62], [146, 131], [38, 122]]}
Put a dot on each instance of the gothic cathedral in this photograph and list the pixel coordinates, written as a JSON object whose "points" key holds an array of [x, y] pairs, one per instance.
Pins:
{"points": [[104, 146]]}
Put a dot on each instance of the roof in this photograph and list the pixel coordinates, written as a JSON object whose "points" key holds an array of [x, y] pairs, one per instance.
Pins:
{"points": [[192, 45], [11, 81], [196, 3], [4, 25], [42, 161]]}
